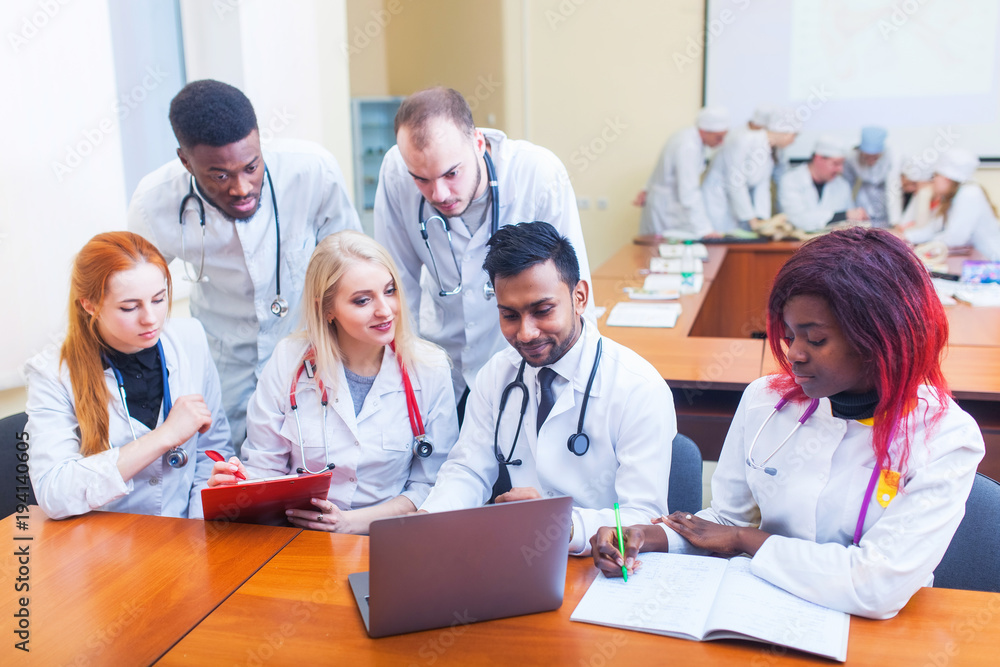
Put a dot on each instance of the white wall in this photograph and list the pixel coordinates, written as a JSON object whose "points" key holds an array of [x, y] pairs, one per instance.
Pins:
{"points": [[286, 57], [61, 179]]}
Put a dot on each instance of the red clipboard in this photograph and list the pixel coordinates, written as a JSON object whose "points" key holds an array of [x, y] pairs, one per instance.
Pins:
{"points": [[264, 501]]}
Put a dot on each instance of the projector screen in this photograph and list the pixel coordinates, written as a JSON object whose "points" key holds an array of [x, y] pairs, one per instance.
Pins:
{"points": [[924, 69]]}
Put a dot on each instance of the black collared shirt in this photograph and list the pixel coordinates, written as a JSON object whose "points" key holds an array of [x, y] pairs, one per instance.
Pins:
{"points": [[143, 382]]}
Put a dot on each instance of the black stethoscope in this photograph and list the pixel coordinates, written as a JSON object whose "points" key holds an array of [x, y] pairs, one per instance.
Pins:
{"points": [[578, 443], [176, 457], [422, 446], [491, 175], [279, 307]]}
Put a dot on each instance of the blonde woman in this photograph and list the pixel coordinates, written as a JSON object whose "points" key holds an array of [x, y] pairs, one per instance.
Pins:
{"points": [[334, 396], [961, 212], [121, 417]]}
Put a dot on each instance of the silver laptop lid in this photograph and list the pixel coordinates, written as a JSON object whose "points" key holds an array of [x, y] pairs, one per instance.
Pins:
{"points": [[454, 568]]}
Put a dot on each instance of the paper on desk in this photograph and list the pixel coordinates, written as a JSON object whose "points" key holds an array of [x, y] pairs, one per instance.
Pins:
{"points": [[671, 282], [656, 315], [699, 250], [986, 294], [662, 265]]}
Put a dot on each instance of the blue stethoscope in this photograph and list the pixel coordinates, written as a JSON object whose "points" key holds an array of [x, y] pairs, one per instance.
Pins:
{"points": [[810, 409], [578, 443], [279, 307], [176, 457], [488, 292]]}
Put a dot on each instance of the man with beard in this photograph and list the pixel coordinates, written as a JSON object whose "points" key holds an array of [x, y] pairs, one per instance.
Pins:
{"points": [[443, 190], [245, 221], [562, 410]]}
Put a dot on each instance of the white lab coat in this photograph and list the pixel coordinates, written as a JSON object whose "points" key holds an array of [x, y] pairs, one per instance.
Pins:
{"points": [[802, 204], [811, 505], [879, 190], [235, 304], [533, 185], [918, 211], [373, 451], [630, 420], [971, 221], [674, 201], [67, 484], [737, 187]]}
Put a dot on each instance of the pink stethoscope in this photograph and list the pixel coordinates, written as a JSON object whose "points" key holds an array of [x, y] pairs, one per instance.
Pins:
{"points": [[810, 409], [422, 446]]}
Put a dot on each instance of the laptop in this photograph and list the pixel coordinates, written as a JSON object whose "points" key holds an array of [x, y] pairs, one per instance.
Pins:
{"points": [[438, 570]]}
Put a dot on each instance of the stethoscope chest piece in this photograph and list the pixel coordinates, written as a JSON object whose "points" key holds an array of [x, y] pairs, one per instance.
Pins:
{"points": [[279, 306], [176, 458], [578, 443], [422, 447]]}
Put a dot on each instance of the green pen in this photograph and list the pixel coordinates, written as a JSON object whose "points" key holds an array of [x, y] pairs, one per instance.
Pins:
{"points": [[621, 542]]}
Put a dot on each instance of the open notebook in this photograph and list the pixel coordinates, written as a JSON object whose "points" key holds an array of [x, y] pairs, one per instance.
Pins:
{"points": [[703, 598]]}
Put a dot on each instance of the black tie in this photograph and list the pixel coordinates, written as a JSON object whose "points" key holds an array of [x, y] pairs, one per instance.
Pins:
{"points": [[545, 378]]}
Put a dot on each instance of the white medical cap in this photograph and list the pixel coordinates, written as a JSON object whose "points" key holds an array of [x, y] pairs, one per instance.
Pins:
{"points": [[916, 169], [829, 146], [713, 119], [957, 164], [761, 115], [783, 120]]}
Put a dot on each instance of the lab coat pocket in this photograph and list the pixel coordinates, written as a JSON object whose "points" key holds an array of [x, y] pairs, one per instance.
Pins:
{"points": [[397, 437]]}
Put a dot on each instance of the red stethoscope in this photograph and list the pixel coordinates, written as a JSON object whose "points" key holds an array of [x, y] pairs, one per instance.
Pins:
{"points": [[422, 446]]}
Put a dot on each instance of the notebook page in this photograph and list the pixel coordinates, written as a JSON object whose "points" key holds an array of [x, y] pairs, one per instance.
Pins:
{"points": [[749, 605], [670, 594]]}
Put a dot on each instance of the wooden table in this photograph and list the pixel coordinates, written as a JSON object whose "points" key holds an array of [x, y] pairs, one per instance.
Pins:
{"points": [[299, 610], [716, 350], [121, 589]]}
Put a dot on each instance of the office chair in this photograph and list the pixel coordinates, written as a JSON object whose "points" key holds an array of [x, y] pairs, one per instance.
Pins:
{"points": [[685, 486], [9, 428], [972, 561]]}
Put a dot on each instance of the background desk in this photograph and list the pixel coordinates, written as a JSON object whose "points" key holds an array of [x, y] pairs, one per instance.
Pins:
{"points": [[299, 610], [714, 351], [121, 589]]}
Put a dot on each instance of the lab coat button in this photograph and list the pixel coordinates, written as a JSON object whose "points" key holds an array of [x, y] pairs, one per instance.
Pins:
{"points": [[353, 480], [153, 481], [470, 325], [356, 443]]}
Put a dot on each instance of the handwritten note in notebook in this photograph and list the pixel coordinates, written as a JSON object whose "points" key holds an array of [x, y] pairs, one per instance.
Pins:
{"points": [[656, 315], [702, 598]]}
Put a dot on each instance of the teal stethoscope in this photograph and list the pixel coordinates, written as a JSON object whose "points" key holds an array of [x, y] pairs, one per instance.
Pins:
{"points": [[488, 292], [279, 307], [810, 409], [176, 457]]}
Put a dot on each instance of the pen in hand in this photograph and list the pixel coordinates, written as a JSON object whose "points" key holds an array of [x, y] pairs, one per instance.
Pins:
{"points": [[216, 456], [621, 541]]}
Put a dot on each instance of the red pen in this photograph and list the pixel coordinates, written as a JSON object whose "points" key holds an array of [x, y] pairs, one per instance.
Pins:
{"points": [[216, 456]]}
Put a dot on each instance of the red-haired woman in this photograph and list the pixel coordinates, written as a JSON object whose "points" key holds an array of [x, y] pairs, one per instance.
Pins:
{"points": [[121, 417], [845, 475]]}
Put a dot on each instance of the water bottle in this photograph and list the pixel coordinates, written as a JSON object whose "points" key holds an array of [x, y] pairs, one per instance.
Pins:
{"points": [[687, 268]]}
